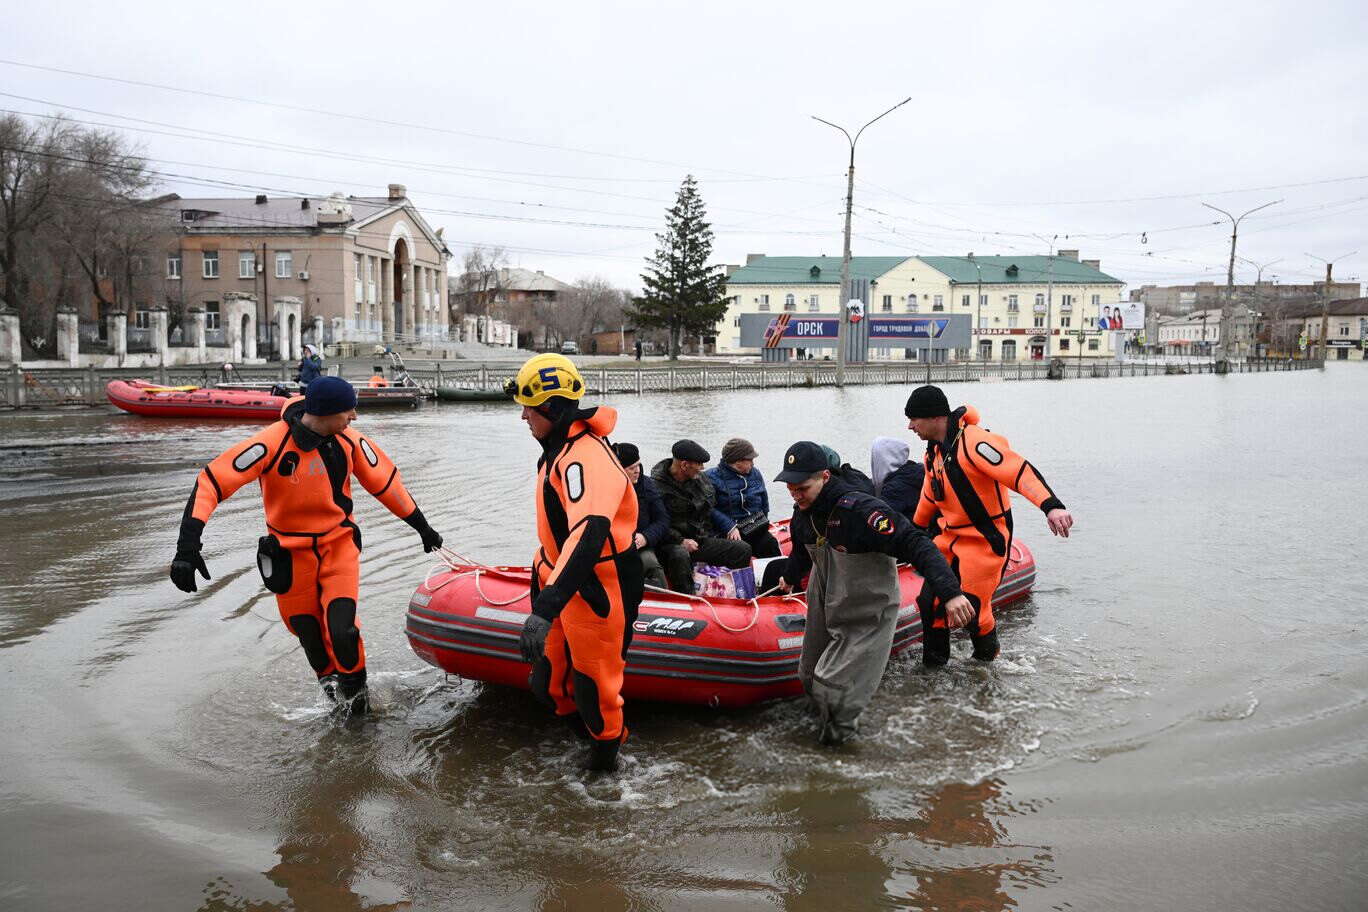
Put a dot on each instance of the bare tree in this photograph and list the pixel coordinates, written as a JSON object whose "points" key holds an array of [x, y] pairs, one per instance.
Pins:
{"points": [[482, 281], [72, 228], [593, 306]]}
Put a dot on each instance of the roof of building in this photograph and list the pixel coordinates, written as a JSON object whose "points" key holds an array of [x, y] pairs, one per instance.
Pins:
{"points": [[1017, 270], [1349, 307], [518, 279], [782, 270], [220, 214]]}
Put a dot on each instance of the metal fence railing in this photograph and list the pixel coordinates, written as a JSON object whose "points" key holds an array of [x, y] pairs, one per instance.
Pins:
{"points": [[46, 387]]}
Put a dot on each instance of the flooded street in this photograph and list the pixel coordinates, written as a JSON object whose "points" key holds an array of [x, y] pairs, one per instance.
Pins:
{"points": [[1179, 718]]}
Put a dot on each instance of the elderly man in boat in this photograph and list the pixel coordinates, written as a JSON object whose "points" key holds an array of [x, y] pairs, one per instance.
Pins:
{"points": [[587, 574], [851, 541]]}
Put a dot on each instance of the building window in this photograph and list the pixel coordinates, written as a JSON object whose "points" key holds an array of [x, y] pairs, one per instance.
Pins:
{"points": [[938, 303], [814, 303], [1344, 329], [1063, 345], [1092, 345], [246, 264], [983, 322], [911, 303], [1012, 322], [211, 314], [370, 279], [983, 300], [1064, 322], [764, 302], [964, 300], [173, 265], [142, 319], [887, 303], [358, 288], [1096, 300], [284, 264], [187, 215], [789, 302], [1008, 350], [211, 264], [1012, 305], [1066, 304], [1040, 300], [1039, 322]]}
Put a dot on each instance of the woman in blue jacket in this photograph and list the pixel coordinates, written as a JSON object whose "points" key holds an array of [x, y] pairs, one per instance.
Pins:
{"points": [[742, 497]]}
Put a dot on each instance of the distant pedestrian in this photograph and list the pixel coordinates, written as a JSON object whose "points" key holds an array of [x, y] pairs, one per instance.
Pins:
{"points": [[310, 365], [637, 346]]}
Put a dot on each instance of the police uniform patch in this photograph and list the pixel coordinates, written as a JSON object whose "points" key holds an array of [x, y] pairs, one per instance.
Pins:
{"points": [[574, 481], [989, 454], [880, 523]]}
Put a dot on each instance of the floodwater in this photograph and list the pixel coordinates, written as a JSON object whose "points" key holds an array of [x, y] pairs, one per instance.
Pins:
{"points": [[1179, 719]]}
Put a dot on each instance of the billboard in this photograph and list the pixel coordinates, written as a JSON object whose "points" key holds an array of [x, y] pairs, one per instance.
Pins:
{"points": [[791, 330], [1132, 315]]}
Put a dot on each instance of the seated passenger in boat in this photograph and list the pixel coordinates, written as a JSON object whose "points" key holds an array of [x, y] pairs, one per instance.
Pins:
{"points": [[699, 532], [653, 523], [379, 377], [897, 479], [742, 498]]}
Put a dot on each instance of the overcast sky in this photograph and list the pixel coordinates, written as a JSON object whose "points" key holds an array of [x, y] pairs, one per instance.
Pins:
{"points": [[561, 131]]}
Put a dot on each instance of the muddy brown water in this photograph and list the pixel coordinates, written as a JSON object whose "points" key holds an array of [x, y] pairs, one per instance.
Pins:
{"points": [[1179, 718]]}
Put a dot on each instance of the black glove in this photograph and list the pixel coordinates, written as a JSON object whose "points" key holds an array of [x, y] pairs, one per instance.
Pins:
{"points": [[183, 570], [532, 643], [431, 539]]}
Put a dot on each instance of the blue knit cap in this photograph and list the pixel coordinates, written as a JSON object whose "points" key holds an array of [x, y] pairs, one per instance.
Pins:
{"points": [[329, 396]]}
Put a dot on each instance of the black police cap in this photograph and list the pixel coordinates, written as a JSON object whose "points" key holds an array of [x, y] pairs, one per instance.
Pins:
{"points": [[802, 460]]}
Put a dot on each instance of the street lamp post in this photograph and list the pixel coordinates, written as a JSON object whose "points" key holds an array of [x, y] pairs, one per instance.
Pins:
{"points": [[841, 331], [1258, 299], [978, 308], [1325, 301], [1228, 308], [1049, 295]]}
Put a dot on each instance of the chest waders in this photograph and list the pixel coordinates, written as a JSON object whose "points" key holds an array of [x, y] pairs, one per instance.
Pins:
{"points": [[852, 612]]}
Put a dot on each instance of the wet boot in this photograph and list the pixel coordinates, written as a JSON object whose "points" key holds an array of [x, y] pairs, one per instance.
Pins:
{"points": [[603, 755], [351, 692], [575, 723], [329, 685], [935, 647], [986, 647]]}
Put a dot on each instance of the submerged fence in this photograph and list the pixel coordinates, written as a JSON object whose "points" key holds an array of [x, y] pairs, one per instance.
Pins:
{"points": [[48, 387]]}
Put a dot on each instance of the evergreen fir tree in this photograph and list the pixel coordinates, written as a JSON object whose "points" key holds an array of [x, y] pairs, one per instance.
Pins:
{"points": [[682, 293]]}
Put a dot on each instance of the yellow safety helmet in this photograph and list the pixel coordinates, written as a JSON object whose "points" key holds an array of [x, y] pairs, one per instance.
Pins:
{"points": [[544, 376]]}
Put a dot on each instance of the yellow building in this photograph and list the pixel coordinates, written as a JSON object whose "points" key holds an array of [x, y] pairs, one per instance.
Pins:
{"points": [[1021, 307]]}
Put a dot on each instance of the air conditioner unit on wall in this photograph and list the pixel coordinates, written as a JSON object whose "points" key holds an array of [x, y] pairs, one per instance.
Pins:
{"points": [[304, 276]]}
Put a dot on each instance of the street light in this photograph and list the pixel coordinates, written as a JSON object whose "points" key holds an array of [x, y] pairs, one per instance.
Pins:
{"points": [[978, 309], [845, 257], [1258, 298], [1049, 294], [1226, 309], [1325, 300]]}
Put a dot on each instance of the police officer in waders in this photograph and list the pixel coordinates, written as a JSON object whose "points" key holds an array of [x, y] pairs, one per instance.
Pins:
{"points": [[852, 542]]}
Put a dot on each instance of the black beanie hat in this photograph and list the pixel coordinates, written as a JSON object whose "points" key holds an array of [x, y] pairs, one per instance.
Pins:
{"points": [[627, 454], [927, 402], [329, 396]]}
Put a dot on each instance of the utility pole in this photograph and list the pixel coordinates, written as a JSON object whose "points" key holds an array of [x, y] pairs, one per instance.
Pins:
{"points": [[978, 309], [1325, 303], [1228, 308], [842, 316], [1049, 295], [1258, 300]]}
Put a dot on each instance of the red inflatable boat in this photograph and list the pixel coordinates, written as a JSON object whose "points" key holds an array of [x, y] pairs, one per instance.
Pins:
{"points": [[143, 398], [685, 649]]}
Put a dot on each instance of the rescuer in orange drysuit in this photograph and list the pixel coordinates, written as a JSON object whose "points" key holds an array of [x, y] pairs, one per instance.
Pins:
{"points": [[587, 577], [311, 556], [969, 470]]}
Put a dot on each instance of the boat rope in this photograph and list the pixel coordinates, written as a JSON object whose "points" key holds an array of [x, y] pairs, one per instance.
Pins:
{"points": [[464, 566], [755, 608]]}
